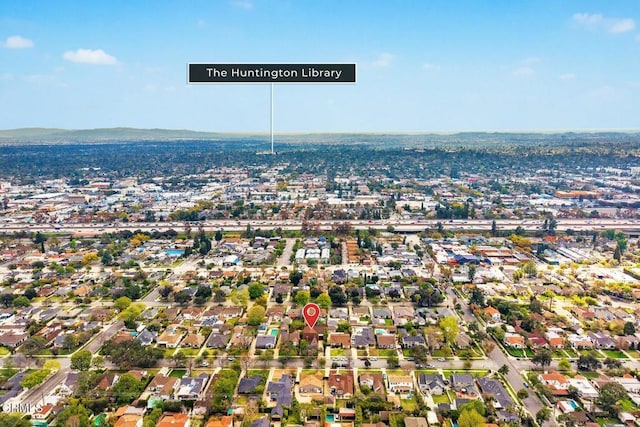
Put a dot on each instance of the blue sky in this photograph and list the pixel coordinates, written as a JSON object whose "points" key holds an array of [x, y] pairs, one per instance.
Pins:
{"points": [[422, 65]]}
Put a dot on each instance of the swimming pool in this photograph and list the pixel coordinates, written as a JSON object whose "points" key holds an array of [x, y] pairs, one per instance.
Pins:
{"points": [[174, 252], [379, 331], [330, 418], [274, 332]]}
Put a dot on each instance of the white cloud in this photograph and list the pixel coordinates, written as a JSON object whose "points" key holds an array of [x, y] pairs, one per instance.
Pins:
{"points": [[431, 67], [17, 42], [597, 21], [524, 71], [622, 25], [567, 76], [242, 4], [89, 56], [383, 60], [588, 19], [531, 60]]}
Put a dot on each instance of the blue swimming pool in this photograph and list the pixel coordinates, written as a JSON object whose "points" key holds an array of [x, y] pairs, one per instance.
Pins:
{"points": [[174, 252]]}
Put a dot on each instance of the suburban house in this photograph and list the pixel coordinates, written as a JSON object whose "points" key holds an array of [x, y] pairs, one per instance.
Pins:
{"points": [[514, 340], [266, 341], [248, 385], [311, 384], [554, 339], [163, 387], [503, 402], [341, 385], [602, 341], [373, 381], [169, 419], [171, 337], [191, 388], [585, 389], [340, 339], [556, 382], [386, 341], [492, 313], [193, 341], [401, 384], [463, 385], [431, 383], [281, 392]]}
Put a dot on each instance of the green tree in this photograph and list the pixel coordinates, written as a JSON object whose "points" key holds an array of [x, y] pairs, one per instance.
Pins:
{"points": [[9, 420], [21, 301], [81, 360], [243, 297], [127, 389], [295, 277], [392, 361], [182, 297], [523, 394], [35, 378], [543, 415], [470, 418], [629, 328], [477, 297], [324, 300], [256, 290], [74, 416], [450, 328], [504, 369], [51, 365], [218, 235], [588, 362], [122, 303], [564, 364], [256, 315], [97, 362], [33, 346], [530, 269], [611, 394], [39, 239], [337, 295], [535, 306], [302, 298], [542, 357]]}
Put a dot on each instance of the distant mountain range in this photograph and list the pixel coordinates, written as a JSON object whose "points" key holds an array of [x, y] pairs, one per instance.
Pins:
{"points": [[103, 134], [25, 136]]}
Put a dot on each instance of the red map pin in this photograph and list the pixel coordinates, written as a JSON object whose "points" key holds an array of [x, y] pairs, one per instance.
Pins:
{"points": [[311, 312]]}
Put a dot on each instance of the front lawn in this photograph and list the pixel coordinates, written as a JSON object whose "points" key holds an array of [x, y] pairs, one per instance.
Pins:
{"points": [[615, 354], [443, 398], [337, 352], [634, 353], [387, 352], [589, 374], [178, 373], [408, 405], [442, 352], [190, 352], [474, 372], [571, 352]]}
